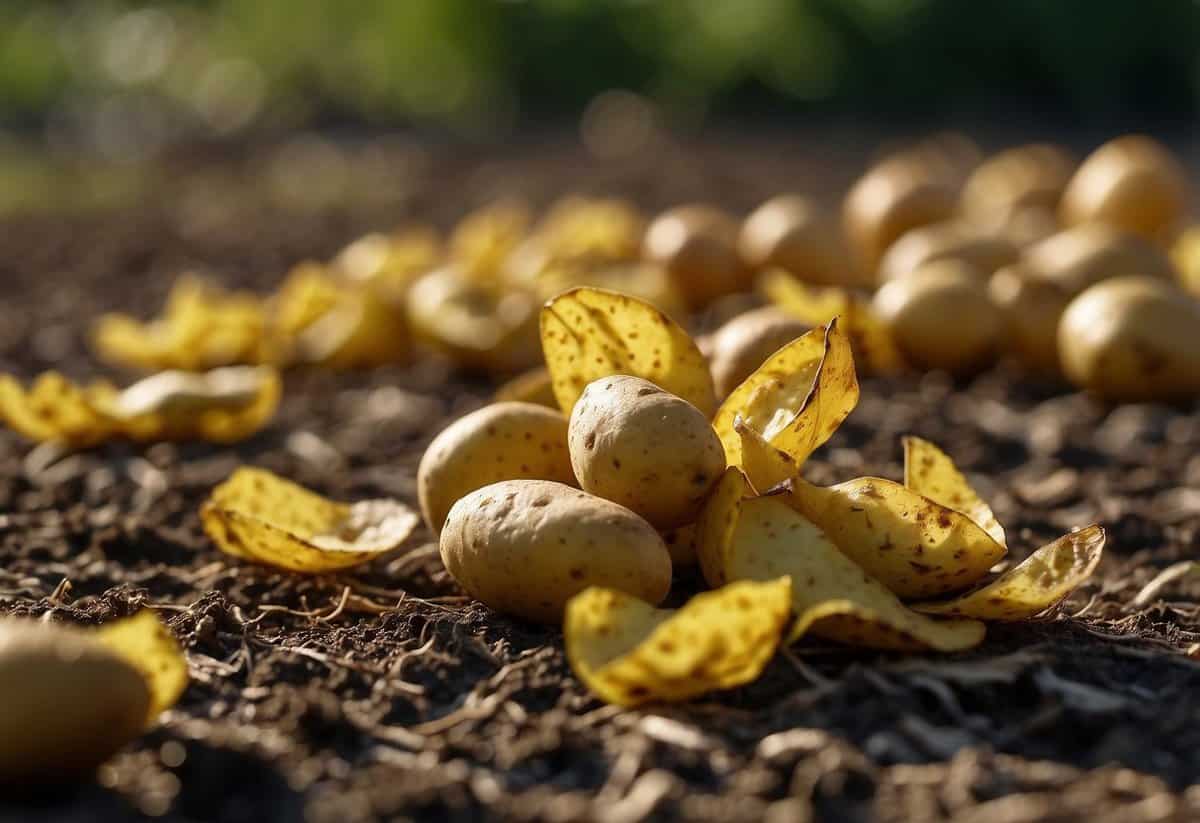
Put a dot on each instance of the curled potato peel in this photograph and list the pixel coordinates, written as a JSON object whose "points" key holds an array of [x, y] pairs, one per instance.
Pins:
{"points": [[930, 472], [145, 643], [908, 542], [589, 333], [628, 652], [1031, 587], [256, 515]]}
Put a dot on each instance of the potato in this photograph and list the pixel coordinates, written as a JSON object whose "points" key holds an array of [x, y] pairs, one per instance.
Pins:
{"points": [[892, 198], [941, 317], [526, 547], [1031, 311], [745, 342], [1075, 258], [1132, 339], [1029, 225], [697, 245], [503, 441], [1030, 176], [985, 250], [792, 233], [69, 702], [1132, 183], [637, 445]]}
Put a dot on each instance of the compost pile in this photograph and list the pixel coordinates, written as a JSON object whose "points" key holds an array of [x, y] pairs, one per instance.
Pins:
{"points": [[382, 690]]}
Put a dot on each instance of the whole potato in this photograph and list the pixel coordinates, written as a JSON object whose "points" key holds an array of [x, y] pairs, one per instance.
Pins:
{"points": [[697, 245], [1132, 183], [1029, 176], [1031, 311], [892, 198], [1132, 339], [635, 444], [744, 343], [503, 441], [69, 702], [1078, 257], [792, 233], [941, 318], [526, 547], [985, 250]]}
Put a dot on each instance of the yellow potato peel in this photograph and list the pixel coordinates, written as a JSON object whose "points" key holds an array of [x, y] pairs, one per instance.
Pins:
{"points": [[532, 386], [145, 643], [589, 333], [872, 342], [716, 524], [796, 399], [628, 652], [1036, 584], [930, 472], [909, 543], [256, 515], [56, 410], [831, 595], [765, 466]]}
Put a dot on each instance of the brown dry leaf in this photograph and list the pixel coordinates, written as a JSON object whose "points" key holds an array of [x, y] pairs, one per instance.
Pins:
{"points": [[590, 333], [869, 337], [628, 652], [909, 543], [796, 399], [930, 472], [1039, 582], [259, 516], [148, 645], [202, 326], [831, 595]]}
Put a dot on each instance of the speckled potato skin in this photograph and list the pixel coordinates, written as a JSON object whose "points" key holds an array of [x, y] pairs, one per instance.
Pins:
{"points": [[746, 341], [526, 547], [637, 445], [504, 441], [1132, 339], [69, 703]]}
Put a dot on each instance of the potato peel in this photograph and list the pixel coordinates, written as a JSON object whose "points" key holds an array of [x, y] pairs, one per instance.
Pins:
{"points": [[256, 515], [914, 546], [764, 465], [930, 472], [55, 410], [589, 333], [628, 652], [831, 595], [145, 643], [796, 399], [1036, 584], [717, 522]]}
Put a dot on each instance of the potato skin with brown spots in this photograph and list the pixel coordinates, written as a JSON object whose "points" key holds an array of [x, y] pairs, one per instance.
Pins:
{"points": [[1132, 339], [642, 447], [504, 441], [746, 341], [69, 702], [526, 547]]}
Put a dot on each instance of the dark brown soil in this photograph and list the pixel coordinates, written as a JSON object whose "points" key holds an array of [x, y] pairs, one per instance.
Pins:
{"points": [[382, 693]]}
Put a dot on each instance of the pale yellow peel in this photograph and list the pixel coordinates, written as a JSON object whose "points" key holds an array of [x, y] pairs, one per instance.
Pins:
{"points": [[930, 472], [147, 644], [1036, 584], [589, 333], [628, 652], [258, 516]]}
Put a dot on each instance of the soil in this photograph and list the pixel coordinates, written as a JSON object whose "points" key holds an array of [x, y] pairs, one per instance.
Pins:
{"points": [[383, 693]]}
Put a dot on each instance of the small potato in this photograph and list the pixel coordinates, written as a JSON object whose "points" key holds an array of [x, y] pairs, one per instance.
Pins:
{"points": [[1078, 257], [1031, 310], [792, 233], [1132, 339], [941, 317], [1131, 183], [1030, 176], [697, 245], [745, 342], [889, 200], [503, 441], [69, 702], [526, 547], [635, 444], [985, 250]]}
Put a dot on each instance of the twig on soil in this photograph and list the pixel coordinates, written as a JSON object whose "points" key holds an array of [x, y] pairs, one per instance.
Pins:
{"points": [[805, 671], [1164, 578]]}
